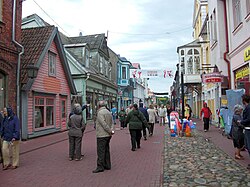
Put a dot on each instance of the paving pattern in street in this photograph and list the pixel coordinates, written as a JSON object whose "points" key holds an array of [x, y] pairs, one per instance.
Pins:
{"points": [[196, 161]]}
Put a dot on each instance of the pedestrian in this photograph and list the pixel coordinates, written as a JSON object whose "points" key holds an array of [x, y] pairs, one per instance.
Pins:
{"points": [[129, 108], [76, 129], [114, 113], [10, 134], [104, 132], [169, 110], [162, 114], [206, 114], [246, 122], [152, 116], [122, 117], [135, 119], [144, 126], [237, 131]]}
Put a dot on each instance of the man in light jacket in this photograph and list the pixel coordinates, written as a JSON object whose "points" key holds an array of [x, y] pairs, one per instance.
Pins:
{"points": [[104, 132]]}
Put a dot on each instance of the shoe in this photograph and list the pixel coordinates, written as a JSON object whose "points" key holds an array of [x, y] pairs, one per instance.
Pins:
{"points": [[14, 167], [205, 130], [97, 171], [70, 159], [138, 147], [133, 149], [78, 159], [106, 168], [238, 157], [6, 167], [145, 138]]}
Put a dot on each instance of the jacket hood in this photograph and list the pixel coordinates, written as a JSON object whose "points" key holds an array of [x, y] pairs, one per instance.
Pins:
{"points": [[10, 111], [77, 109], [204, 104]]}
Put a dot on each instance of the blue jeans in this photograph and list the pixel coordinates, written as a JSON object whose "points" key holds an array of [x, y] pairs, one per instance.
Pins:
{"points": [[247, 140]]}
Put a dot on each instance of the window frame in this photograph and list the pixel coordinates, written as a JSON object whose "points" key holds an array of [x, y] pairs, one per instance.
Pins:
{"points": [[101, 64], [237, 16], [44, 105], [124, 74], [52, 67]]}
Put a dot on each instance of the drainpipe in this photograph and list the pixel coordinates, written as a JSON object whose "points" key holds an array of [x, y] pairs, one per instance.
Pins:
{"points": [[227, 45], [19, 57]]}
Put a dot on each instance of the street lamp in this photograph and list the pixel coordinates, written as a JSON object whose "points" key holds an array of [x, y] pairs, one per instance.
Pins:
{"points": [[182, 89], [32, 71]]}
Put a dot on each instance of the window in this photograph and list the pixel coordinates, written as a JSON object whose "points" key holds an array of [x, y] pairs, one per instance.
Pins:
{"points": [[87, 58], [248, 6], [52, 64], [2, 90], [197, 64], [124, 73], [1, 10], [44, 112], [213, 28], [236, 12], [190, 65], [182, 52], [101, 65], [106, 68]]}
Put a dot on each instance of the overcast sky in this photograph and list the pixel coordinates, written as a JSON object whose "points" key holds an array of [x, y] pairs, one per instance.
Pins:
{"points": [[144, 31]]}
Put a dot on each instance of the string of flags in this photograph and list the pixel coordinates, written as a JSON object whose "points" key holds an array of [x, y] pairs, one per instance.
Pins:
{"points": [[138, 73]]}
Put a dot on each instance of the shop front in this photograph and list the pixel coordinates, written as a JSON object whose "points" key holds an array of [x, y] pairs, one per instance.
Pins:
{"points": [[241, 78]]}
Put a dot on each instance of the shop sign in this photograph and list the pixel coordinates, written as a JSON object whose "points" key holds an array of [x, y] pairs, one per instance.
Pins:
{"points": [[125, 98], [242, 72], [212, 78], [247, 54]]}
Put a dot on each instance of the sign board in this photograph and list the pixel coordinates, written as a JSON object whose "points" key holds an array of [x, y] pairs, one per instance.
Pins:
{"points": [[242, 72], [247, 54], [212, 78]]}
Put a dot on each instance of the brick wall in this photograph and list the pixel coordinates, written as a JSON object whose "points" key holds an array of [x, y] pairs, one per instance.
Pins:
{"points": [[8, 50]]}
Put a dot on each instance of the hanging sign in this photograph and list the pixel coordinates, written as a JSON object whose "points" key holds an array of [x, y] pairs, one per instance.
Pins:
{"points": [[247, 54], [212, 78], [138, 73]]}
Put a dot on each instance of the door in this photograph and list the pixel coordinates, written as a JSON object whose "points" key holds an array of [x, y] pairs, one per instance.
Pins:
{"points": [[63, 113]]}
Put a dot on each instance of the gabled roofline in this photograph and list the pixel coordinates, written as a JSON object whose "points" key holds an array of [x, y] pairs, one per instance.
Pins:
{"points": [[54, 35]]}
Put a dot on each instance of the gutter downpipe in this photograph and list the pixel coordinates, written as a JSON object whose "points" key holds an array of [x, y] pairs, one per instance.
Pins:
{"points": [[19, 56], [227, 46]]}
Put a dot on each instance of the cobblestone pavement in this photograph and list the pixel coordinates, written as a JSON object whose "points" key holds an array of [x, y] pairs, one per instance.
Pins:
{"points": [[197, 161]]}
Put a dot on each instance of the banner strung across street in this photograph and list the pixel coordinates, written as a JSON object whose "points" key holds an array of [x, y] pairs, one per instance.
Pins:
{"points": [[138, 73]]}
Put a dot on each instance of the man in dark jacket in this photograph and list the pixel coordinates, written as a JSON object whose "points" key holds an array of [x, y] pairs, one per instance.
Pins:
{"points": [[246, 122], [145, 113], [10, 133], [135, 119]]}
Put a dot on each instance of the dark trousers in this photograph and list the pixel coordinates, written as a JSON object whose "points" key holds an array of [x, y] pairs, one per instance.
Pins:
{"points": [[135, 137], [144, 131], [122, 124], [103, 153], [206, 123], [75, 145], [151, 128]]}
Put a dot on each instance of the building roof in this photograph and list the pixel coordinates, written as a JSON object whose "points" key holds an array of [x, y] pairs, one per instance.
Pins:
{"points": [[34, 17], [194, 43], [36, 42]]}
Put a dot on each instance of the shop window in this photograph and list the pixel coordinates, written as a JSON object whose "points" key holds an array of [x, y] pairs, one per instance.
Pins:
{"points": [[44, 112], [236, 12], [52, 64]]}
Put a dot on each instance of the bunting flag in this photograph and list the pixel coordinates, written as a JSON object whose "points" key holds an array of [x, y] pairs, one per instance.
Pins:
{"points": [[138, 73]]}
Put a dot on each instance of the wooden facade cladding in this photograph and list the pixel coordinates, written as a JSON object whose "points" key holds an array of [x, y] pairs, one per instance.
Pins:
{"points": [[56, 87]]}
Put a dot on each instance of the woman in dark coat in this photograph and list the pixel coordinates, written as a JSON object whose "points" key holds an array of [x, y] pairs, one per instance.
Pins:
{"points": [[135, 119], [10, 133], [237, 131], [76, 128]]}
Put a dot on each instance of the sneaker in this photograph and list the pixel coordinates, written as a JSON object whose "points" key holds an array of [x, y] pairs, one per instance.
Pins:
{"points": [[78, 159], [205, 130]]}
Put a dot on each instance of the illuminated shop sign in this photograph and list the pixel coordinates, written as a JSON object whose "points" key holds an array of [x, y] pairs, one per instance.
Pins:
{"points": [[242, 72]]}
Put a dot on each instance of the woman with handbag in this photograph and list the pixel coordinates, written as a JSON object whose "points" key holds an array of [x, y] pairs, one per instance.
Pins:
{"points": [[237, 131], [76, 128]]}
